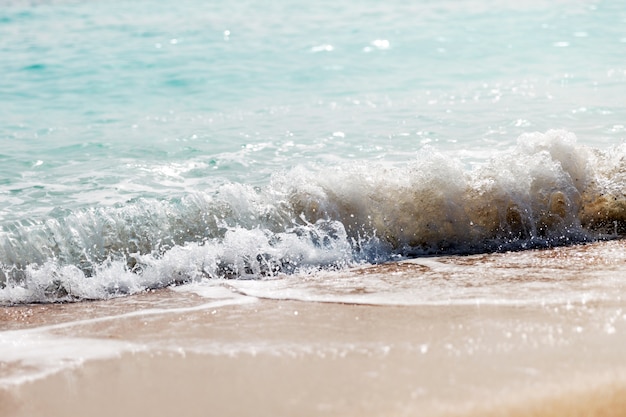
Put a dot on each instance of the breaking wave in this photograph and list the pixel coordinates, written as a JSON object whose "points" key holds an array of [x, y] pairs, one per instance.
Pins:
{"points": [[547, 191]]}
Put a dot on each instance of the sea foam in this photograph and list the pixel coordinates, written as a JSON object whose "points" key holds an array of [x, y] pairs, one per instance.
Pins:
{"points": [[546, 191]]}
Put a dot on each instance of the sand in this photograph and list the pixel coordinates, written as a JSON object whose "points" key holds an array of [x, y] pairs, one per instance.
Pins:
{"points": [[333, 359], [169, 352]]}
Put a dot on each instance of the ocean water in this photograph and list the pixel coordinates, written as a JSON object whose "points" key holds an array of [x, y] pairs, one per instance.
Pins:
{"points": [[153, 143]]}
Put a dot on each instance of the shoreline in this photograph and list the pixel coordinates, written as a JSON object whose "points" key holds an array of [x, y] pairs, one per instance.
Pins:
{"points": [[285, 357], [318, 345]]}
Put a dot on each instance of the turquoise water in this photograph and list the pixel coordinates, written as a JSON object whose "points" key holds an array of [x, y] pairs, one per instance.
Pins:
{"points": [[148, 143]]}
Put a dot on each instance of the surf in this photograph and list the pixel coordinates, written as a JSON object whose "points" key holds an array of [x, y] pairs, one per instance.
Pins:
{"points": [[547, 191]]}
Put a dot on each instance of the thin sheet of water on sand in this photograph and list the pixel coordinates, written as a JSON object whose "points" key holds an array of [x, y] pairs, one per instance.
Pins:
{"points": [[526, 333]]}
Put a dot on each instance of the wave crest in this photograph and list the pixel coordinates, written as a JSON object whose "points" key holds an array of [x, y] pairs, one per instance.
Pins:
{"points": [[546, 191]]}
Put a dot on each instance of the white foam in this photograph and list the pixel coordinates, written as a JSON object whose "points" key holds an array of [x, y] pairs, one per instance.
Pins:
{"points": [[547, 191], [36, 353]]}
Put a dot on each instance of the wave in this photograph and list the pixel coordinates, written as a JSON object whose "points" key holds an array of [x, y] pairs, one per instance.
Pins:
{"points": [[547, 191]]}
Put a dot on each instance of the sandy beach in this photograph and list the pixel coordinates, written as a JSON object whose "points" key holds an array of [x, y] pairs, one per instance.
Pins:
{"points": [[172, 351]]}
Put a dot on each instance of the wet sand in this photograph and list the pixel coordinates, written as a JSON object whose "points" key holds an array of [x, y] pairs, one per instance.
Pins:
{"points": [[299, 358], [175, 352]]}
